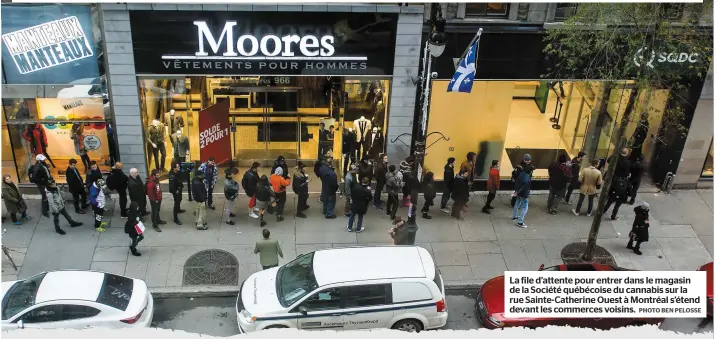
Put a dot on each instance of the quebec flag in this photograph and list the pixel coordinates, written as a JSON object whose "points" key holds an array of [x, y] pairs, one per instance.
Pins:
{"points": [[463, 79]]}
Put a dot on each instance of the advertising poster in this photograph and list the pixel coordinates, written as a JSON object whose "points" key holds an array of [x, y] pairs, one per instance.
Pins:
{"points": [[214, 138]]}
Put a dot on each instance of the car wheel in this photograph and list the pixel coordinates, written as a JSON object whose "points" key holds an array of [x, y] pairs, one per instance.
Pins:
{"points": [[408, 325], [274, 327]]}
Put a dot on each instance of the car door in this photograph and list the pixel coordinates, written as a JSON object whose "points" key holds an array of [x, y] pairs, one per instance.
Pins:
{"points": [[367, 306], [321, 311], [79, 316], [47, 316]]}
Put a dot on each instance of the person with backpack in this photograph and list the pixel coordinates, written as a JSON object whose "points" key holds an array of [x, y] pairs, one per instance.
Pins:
{"points": [[264, 196], [361, 198], [380, 169], [56, 205], [393, 187], [249, 184], [76, 186], [524, 166], [300, 186], [210, 171], [280, 181], [41, 177], [176, 185], [617, 195], [448, 184], [231, 192], [350, 180], [97, 200], [199, 191], [154, 193], [117, 181], [522, 192], [428, 187]]}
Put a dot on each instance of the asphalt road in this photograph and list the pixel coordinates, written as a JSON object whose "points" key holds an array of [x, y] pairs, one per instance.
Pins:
{"points": [[217, 317]]}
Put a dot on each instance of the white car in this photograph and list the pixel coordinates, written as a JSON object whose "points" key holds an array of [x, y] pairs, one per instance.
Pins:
{"points": [[357, 288], [76, 299]]}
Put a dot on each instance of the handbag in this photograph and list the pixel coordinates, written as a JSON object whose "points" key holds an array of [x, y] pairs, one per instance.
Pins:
{"points": [[139, 227]]}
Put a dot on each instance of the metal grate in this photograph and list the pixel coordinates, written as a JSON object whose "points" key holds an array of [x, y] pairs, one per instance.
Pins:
{"points": [[211, 267]]}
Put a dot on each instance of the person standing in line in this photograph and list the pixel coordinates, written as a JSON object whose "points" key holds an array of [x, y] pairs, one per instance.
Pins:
{"points": [[137, 191], [300, 186], [365, 170], [94, 173], [199, 192], [14, 202], [76, 186], [41, 177], [280, 182], [350, 180], [209, 169], [575, 172], [448, 184], [380, 175], [429, 190], [249, 184], [522, 193], [269, 251], [469, 166], [524, 166], [56, 205], [399, 233], [176, 187], [361, 198], [406, 176], [154, 192], [637, 169], [492, 185], [623, 167], [133, 218], [559, 176], [393, 186], [639, 230], [329, 189], [117, 180], [280, 162], [591, 180], [231, 192], [264, 195], [460, 194], [97, 200], [617, 195]]}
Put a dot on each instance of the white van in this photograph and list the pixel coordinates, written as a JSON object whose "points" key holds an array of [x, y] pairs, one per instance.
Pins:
{"points": [[354, 288]]}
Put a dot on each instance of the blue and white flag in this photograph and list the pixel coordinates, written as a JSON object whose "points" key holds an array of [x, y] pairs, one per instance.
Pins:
{"points": [[463, 78]]}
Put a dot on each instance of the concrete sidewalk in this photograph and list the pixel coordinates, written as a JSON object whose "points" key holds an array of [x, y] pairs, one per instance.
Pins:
{"points": [[467, 252]]}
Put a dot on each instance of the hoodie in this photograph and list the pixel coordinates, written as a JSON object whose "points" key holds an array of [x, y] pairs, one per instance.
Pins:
{"points": [[154, 191], [523, 185], [97, 196], [394, 183]]}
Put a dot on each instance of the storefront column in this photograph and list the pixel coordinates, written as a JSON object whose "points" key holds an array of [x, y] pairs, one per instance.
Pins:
{"points": [[403, 91], [122, 87]]}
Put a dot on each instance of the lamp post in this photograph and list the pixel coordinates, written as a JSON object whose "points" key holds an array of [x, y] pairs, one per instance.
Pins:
{"points": [[433, 48]]}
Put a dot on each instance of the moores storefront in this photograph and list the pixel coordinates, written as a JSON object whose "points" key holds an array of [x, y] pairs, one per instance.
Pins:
{"points": [[53, 98], [254, 86]]}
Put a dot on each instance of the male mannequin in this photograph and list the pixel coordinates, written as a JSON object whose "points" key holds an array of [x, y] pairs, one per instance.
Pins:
{"points": [[362, 126], [156, 143], [173, 122], [180, 146], [374, 143]]}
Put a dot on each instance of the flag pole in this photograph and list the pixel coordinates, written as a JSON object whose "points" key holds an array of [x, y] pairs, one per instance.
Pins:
{"points": [[473, 40]]}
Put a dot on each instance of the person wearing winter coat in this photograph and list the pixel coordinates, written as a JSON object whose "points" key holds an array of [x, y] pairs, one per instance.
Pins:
{"points": [[559, 176], [133, 218], [394, 184], [330, 185], [281, 162], [617, 195], [154, 193], [211, 173], [137, 191], [231, 192], [428, 187], [575, 172], [399, 233], [380, 169], [269, 251], [448, 183], [41, 177], [639, 230], [93, 174], [460, 194], [14, 202], [280, 182], [98, 202], [176, 178], [591, 180], [365, 170], [361, 198], [524, 166], [300, 186], [492, 185], [469, 166], [637, 168], [350, 180], [405, 169], [264, 196], [117, 181], [522, 191], [249, 184], [76, 186], [199, 192], [56, 204]]}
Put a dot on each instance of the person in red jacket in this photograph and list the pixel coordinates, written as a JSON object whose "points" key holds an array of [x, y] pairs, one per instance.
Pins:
{"points": [[35, 135], [154, 192], [492, 186]]}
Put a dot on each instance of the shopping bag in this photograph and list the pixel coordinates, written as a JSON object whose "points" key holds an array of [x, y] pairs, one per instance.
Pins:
{"points": [[140, 227], [252, 202]]}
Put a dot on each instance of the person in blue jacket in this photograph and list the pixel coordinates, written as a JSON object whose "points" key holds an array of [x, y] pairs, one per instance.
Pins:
{"points": [[522, 192]]}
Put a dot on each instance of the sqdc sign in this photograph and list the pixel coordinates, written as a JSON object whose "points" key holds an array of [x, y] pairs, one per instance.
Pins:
{"points": [[663, 57]]}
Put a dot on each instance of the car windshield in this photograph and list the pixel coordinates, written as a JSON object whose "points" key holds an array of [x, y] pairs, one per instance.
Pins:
{"points": [[296, 279], [21, 296]]}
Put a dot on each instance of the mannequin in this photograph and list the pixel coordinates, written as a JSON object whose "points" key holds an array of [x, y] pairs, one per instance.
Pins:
{"points": [[37, 140], [78, 137], [156, 143], [362, 126], [348, 146], [173, 121], [374, 143]]}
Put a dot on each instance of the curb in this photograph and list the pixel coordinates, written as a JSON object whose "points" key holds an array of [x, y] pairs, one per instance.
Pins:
{"points": [[205, 291]]}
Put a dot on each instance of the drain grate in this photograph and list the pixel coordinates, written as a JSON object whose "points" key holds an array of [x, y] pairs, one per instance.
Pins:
{"points": [[211, 267]]}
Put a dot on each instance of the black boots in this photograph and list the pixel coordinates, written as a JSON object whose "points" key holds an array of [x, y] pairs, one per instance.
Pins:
{"points": [[135, 252], [177, 221], [425, 215], [59, 230]]}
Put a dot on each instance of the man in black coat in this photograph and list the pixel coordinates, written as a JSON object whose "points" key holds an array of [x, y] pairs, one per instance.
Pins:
{"points": [[617, 195], [137, 191], [637, 169], [118, 180], [300, 186], [176, 186], [639, 231], [460, 194], [382, 165], [249, 184], [77, 187], [41, 177], [623, 167], [575, 171], [448, 183], [361, 197]]}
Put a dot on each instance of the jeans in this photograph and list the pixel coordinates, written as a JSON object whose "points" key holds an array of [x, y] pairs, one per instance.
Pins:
{"points": [[134, 241], [513, 201], [80, 197], [281, 201], [489, 199], [99, 212], [160, 149], [554, 196], [360, 220], [392, 204], [177, 202], [56, 218], [43, 196], [209, 196], [569, 191], [200, 210], [123, 202], [330, 201], [445, 197], [520, 209], [580, 202], [377, 193], [612, 199], [228, 207], [155, 217]]}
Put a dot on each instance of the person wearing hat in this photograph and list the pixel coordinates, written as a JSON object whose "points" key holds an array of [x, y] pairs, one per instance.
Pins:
{"points": [[279, 185], [14, 202], [97, 200], [300, 186], [199, 192], [231, 192], [639, 231], [522, 192], [41, 177], [524, 166], [56, 205], [448, 184]]}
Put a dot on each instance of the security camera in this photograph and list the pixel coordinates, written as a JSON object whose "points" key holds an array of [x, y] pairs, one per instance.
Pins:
{"points": [[434, 75]]}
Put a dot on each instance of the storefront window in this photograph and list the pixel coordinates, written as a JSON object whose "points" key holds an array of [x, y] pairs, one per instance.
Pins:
{"points": [[487, 9], [708, 166]]}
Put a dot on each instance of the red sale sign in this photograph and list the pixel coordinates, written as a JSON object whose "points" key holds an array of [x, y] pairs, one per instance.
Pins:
{"points": [[214, 139]]}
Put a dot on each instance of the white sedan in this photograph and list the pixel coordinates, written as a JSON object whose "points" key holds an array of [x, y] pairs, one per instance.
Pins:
{"points": [[76, 299]]}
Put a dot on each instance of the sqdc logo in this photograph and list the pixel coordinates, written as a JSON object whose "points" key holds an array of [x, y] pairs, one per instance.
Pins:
{"points": [[663, 57]]}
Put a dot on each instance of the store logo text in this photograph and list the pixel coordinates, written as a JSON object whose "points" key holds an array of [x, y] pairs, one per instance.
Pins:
{"points": [[663, 57]]}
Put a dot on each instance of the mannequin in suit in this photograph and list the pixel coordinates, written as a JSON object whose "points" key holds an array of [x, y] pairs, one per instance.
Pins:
{"points": [[363, 127], [374, 143], [173, 121]]}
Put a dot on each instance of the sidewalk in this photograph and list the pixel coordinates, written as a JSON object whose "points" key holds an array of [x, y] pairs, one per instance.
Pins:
{"points": [[467, 252]]}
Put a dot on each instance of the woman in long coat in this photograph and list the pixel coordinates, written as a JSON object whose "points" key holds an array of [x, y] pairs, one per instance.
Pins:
{"points": [[14, 203], [639, 231]]}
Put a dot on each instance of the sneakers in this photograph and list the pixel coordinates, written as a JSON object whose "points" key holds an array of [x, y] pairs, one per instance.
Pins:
{"points": [[301, 215], [27, 217], [615, 218], [589, 214], [212, 207], [18, 222], [552, 212], [360, 230], [573, 210], [122, 216], [566, 202], [253, 215], [203, 228], [522, 225], [426, 216], [349, 229], [60, 231], [331, 217], [100, 229], [445, 210]]}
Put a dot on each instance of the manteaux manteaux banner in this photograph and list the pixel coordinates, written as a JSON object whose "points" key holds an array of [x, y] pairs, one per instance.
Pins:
{"points": [[214, 139]]}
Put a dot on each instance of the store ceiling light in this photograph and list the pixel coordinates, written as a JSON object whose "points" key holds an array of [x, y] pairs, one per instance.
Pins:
{"points": [[437, 41]]}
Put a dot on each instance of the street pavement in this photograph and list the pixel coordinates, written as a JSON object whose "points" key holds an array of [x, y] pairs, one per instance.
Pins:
{"points": [[217, 317], [467, 252]]}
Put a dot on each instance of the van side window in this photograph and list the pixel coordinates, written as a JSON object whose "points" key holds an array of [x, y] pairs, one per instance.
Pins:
{"points": [[329, 299], [406, 292], [367, 295]]}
